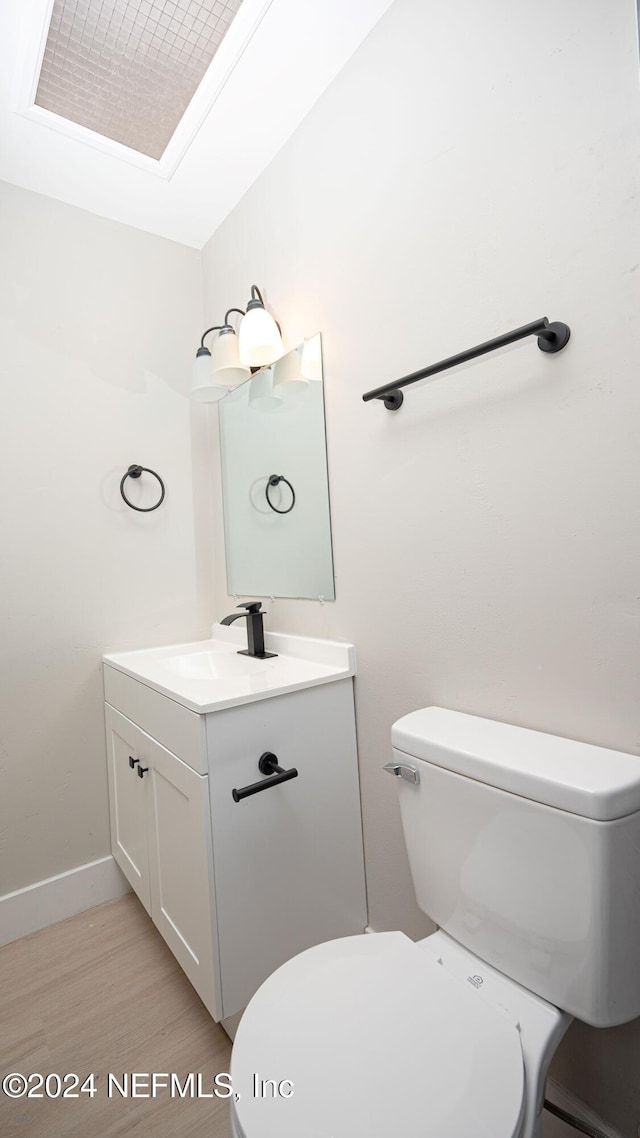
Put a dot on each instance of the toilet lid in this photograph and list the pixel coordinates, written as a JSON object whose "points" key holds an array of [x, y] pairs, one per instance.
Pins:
{"points": [[370, 1036]]}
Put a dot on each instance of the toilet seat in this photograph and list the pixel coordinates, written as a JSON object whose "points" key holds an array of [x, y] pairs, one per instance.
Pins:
{"points": [[377, 1038]]}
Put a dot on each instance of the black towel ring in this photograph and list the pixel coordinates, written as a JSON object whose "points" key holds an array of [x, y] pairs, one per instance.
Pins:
{"points": [[273, 480], [135, 472]]}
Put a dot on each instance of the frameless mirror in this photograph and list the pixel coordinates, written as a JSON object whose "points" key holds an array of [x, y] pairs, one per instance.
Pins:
{"points": [[275, 488]]}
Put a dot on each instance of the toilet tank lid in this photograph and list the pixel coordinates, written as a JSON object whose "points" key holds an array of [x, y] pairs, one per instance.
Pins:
{"points": [[580, 778]]}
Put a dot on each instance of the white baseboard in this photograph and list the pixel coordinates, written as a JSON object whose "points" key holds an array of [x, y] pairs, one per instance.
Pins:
{"points": [[59, 897], [563, 1098]]}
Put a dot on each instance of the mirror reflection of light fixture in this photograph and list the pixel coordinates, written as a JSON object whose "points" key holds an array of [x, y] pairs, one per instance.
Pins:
{"points": [[288, 380], [311, 362], [232, 357], [262, 396], [259, 339]]}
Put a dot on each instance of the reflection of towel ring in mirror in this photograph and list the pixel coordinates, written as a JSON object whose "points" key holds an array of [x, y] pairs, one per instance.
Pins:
{"points": [[135, 472], [274, 480]]}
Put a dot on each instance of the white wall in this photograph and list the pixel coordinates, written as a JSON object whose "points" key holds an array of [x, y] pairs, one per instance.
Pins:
{"points": [[99, 324], [473, 167]]}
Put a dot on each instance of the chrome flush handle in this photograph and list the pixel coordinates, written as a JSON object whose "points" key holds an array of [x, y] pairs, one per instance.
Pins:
{"points": [[403, 770]]}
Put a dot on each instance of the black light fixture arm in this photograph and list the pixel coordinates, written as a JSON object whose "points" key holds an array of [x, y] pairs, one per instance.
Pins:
{"points": [[218, 328], [552, 337], [256, 301], [241, 312], [215, 328], [256, 297]]}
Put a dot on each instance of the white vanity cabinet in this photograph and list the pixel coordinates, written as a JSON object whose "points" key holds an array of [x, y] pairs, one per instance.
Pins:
{"points": [[236, 888], [161, 839]]}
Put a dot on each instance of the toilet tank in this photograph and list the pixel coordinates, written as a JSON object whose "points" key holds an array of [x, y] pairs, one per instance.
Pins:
{"points": [[525, 848]]}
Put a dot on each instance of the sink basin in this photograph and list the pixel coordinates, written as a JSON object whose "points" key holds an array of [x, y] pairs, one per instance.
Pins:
{"points": [[209, 675], [213, 665]]}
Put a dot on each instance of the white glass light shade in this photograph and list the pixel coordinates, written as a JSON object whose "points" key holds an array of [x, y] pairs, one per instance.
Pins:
{"points": [[201, 385], [262, 397], [288, 380], [259, 341], [225, 365]]}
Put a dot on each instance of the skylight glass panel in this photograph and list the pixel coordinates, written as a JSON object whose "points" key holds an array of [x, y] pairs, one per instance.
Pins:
{"points": [[128, 69]]}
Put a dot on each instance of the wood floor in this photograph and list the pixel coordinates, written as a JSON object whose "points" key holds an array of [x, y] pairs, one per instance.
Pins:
{"points": [[102, 993]]}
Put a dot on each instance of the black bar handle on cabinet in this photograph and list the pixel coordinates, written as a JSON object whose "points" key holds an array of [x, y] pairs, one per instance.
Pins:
{"points": [[142, 771], [132, 761], [267, 764]]}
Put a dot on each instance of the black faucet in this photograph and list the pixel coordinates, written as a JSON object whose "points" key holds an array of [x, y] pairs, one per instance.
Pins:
{"points": [[255, 629]]}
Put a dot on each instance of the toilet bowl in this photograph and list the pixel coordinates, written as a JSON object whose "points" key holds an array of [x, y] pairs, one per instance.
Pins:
{"points": [[524, 850], [375, 1035]]}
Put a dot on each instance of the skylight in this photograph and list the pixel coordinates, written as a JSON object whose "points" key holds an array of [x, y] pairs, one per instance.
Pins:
{"points": [[128, 69]]}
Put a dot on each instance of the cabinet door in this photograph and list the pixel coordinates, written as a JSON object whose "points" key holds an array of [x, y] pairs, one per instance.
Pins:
{"points": [[127, 802], [180, 865], [288, 860]]}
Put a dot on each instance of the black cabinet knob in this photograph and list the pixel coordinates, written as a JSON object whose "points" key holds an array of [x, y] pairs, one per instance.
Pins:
{"points": [[132, 761], [142, 771]]}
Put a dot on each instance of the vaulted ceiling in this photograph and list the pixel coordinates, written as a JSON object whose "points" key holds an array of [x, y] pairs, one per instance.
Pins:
{"points": [[113, 105]]}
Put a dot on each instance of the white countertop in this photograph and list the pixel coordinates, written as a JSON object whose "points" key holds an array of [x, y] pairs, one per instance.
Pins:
{"points": [[208, 675]]}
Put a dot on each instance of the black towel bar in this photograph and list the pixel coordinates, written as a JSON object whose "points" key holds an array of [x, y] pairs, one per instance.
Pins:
{"points": [[551, 338]]}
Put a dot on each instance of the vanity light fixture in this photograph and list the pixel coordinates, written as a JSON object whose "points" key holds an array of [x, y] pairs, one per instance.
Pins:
{"points": [[216, 372], [232, 357], [201, 385], [226, 367], [259, 338]]}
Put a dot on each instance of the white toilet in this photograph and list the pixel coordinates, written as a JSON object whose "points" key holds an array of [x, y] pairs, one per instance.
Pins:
{"points": [[525, 850]]}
